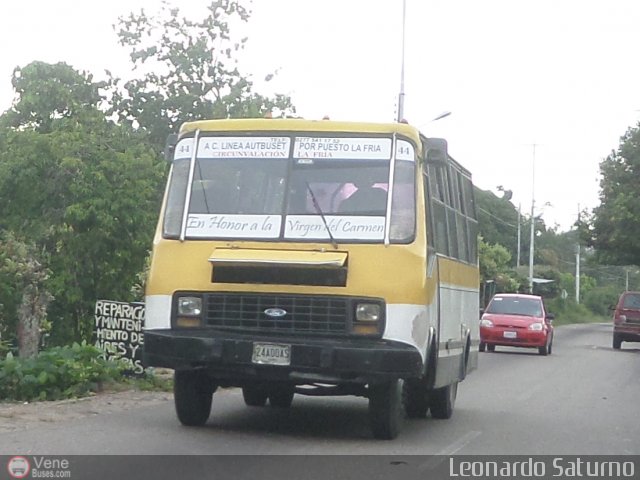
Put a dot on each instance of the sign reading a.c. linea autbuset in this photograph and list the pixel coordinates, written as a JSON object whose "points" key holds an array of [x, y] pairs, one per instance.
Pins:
{"points": [[119, 332]]}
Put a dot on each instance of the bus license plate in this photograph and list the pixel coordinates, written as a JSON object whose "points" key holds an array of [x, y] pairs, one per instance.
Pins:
{"points": [[271, 354], [510, 334]]}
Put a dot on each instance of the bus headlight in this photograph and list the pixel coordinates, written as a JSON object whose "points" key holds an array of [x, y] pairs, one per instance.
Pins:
{"points": [[368, 319], [189, 306], [368, 312], [189, 311]]}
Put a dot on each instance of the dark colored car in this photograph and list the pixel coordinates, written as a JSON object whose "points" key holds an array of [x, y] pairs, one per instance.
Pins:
{"points": [[516, 320], [626, 319]]}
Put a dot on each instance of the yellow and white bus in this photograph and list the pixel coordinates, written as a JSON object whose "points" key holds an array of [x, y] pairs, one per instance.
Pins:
{"points": [[314, 257]]}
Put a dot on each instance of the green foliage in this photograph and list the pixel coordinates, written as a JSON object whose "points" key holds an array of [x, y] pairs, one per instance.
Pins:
{"points": [[150, 381], [22, 294], [498, 221], [614, 228], [494, 259], [551, 289], [494, 266], [87, 193], [47, 93], [567, 311], [192, 71], [600, 299], [61, 372]]}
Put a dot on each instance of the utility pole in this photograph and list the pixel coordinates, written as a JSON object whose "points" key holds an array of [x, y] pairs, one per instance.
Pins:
{"points": [[578, 273], [533, 220], [578, 263], [518, 254], [401, 95]]}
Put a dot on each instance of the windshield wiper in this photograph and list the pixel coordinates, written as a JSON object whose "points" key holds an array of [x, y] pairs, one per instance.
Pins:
{"points": [[324, 220]]}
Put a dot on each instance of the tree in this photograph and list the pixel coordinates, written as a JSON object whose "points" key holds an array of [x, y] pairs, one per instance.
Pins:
{"points": [[19, 265], [191, 71], [498, 221], [46, 93], [614, 229], [495, 271], [85, 191]]}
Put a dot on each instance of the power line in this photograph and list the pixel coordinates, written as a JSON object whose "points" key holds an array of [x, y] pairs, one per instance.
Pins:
{"points": [[497, 218]]}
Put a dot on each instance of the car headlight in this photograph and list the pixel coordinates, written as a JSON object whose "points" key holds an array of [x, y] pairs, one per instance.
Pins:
{"points": [[189, 306], [486, 323], [367, 312], [538, 327]]}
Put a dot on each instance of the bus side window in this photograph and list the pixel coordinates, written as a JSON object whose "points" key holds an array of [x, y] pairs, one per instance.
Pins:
{"points": [[429, 221]]}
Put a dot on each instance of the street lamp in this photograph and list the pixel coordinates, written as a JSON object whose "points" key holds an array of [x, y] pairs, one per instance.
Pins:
{"points": [[442, 115]]}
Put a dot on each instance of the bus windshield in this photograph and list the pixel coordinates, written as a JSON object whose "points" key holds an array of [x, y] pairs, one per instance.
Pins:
{"points": [[260, 188]]}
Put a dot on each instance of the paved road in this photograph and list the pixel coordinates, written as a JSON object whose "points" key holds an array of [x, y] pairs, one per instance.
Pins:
{"points": [[583, 399]]}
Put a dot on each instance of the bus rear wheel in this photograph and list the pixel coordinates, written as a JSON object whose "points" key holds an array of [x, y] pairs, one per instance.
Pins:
{"points": [[193, 393], [415, 398], [385, 409], [443, 400]]}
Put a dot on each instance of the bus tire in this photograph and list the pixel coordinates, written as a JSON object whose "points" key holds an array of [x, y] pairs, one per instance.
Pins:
{"points": [[482, 346], [254, 396], [192, 393], [281, 397], [385, 409], [443, 400], [415, 398]]}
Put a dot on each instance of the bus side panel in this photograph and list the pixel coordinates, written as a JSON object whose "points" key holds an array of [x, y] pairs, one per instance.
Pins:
{"points": [[411, 324], [458, 322]]}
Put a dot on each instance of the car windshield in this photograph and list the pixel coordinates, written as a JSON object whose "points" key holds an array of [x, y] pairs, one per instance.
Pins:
{"points": [[631, 301], [529, 307], [261, 188]]}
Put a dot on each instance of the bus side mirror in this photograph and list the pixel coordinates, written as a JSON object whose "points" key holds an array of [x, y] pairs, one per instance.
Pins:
{"points": [[437, 150], [170, 146]]}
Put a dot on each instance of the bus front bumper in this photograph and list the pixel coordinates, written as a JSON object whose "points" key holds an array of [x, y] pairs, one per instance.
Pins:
{"points": [[229, 355]]}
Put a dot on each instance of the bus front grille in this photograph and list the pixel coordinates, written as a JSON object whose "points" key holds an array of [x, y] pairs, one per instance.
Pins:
{"points": [[278, 313]]}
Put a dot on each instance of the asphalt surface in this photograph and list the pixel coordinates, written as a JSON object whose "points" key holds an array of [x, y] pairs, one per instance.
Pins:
{"points": [[582, 399]]}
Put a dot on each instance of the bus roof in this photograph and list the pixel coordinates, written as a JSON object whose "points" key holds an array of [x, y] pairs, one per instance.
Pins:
{"points": [[303, 125], [300, 125]]}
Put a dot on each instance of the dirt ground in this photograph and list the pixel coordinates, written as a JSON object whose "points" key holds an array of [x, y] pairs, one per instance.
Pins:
{"points": [[21, 416]]}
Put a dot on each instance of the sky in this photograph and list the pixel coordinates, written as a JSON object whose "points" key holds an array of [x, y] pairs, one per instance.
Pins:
{"points": [[561, 75]]}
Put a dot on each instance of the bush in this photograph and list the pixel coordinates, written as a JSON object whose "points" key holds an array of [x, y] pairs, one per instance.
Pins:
{"points": [[568, 311], [57, 373], [600, 299]]}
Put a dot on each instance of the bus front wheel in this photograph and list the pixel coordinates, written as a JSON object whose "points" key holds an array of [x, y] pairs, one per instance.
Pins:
{"points": [[193, 393], [385, 409]]}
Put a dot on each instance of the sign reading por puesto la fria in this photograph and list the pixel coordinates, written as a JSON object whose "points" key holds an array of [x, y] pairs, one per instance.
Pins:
{"points": [[119, 327]]}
